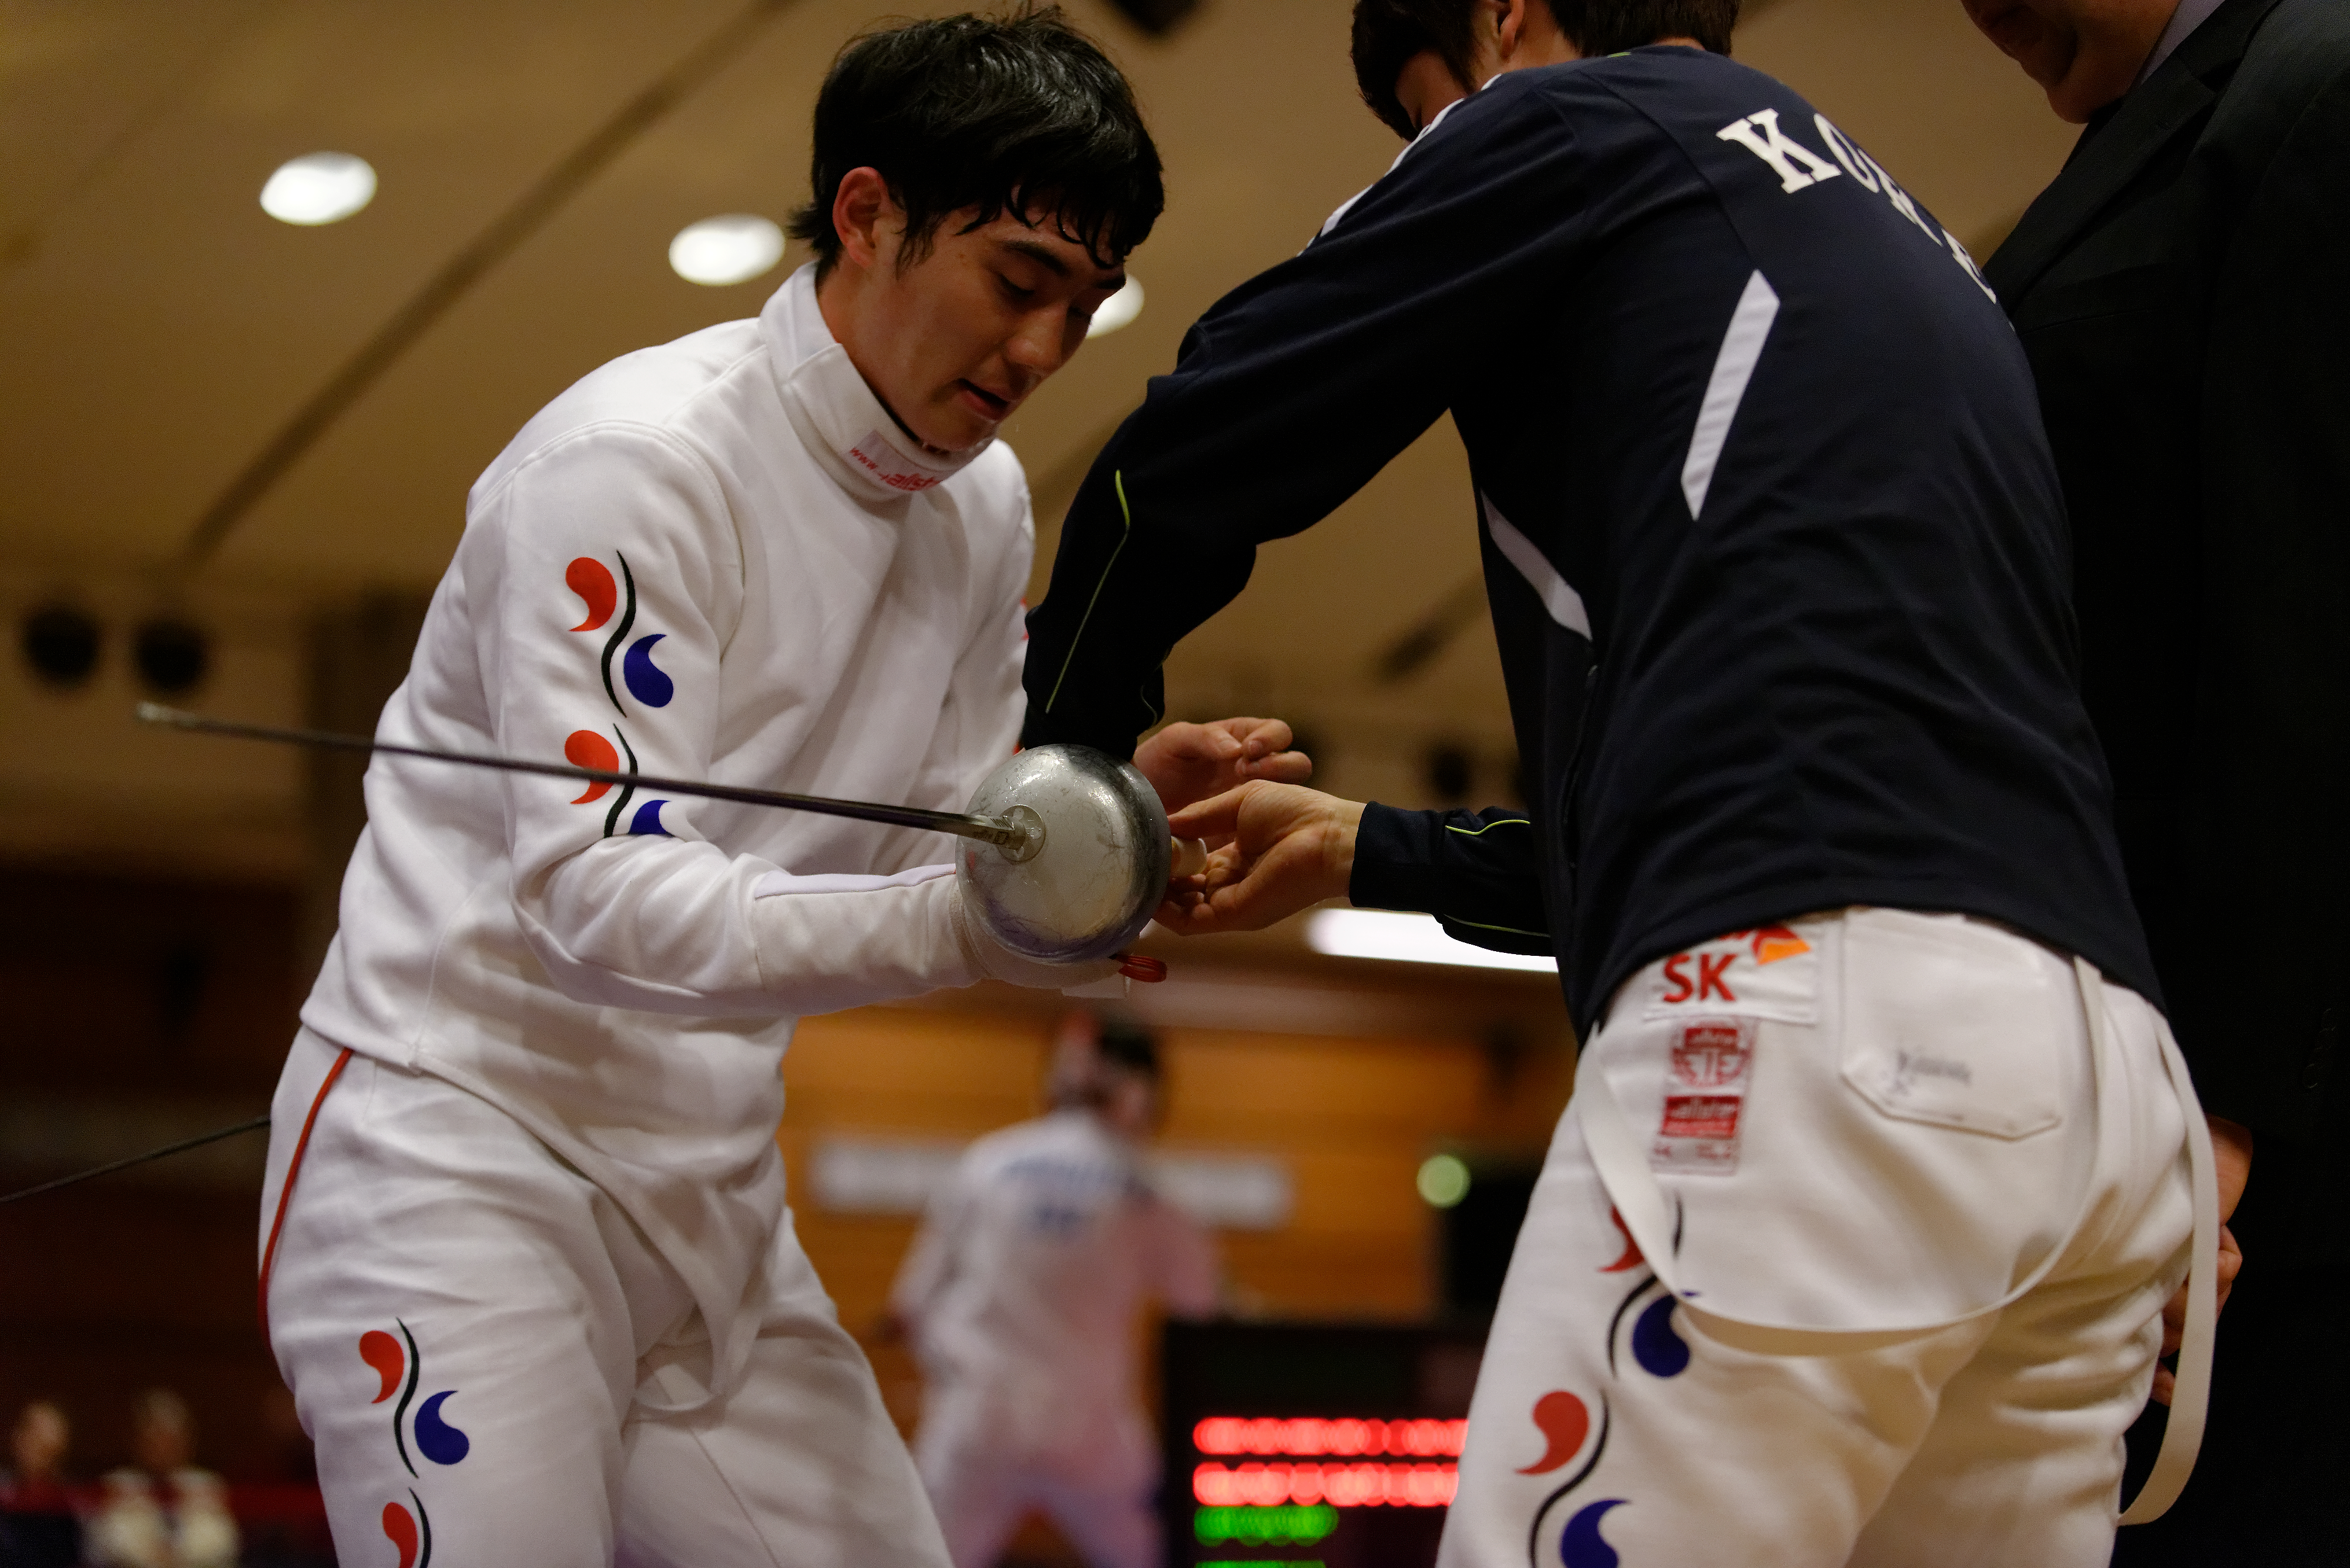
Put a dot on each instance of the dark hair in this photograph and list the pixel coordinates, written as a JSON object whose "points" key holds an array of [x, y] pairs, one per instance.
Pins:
{"points": [[1390, 33], [1127, 1045], [999, 113]]}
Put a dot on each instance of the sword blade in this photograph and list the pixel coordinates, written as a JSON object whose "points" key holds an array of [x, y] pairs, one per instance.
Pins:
{"points": [[987, 829], [256, 1125]]}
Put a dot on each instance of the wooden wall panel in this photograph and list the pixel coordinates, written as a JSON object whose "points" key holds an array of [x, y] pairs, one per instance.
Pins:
{"points": [[1352, 1117]]}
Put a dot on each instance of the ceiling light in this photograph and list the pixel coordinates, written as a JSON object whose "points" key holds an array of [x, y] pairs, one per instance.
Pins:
{"points": [[1408, 939], [1119, 309], [318, 188], [735, 248]]}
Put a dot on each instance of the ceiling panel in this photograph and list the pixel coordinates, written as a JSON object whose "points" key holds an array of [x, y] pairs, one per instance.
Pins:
{"points": [[157, 330]]}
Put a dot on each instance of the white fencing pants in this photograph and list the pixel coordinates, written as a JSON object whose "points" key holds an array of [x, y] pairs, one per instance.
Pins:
{"points": [[471, 1329], [1935, 1128], [1093, 1473], [980, 1504]]}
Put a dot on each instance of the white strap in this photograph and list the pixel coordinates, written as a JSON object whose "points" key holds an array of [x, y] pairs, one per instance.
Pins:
{"points": [[2191, 1395]]}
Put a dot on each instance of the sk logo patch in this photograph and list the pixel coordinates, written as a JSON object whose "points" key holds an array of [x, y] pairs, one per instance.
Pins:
{"points": [[1772, 972]]}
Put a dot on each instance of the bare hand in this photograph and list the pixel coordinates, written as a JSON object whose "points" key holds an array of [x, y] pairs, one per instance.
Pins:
{"points": [[2231, 1150], [1188, 763], [1279, 848]]}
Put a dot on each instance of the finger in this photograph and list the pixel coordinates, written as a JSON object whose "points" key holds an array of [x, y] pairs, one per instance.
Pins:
{"points": [[1183, 741], [2164, 1382], [1281, 767], [1217, 817], [1273, 886], [1226, 867], [1265, 737], [1213, 743]]}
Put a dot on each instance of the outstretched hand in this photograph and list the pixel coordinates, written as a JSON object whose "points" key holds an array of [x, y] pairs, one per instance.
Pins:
{"points": [[1279, 848], [1188, 763]]}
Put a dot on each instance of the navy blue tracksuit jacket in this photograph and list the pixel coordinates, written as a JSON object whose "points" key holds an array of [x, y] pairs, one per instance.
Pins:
{"points": [[1773, 543]]}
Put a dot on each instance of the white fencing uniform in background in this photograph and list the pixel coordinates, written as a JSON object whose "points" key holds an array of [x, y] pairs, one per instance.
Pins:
{"points": [[1021, 1294], [535, 1288], [1876, 1125]]}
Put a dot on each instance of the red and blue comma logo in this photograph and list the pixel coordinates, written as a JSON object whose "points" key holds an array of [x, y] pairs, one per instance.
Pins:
{"points": [[592, 581], [1565, 1422], [602, 594], [1564, 1419], [400, 1366]]}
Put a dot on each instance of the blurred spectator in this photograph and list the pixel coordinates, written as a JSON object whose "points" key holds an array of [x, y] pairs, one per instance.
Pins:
{"points": [[164, 1513], [37, 1527], [1021, 1295]]}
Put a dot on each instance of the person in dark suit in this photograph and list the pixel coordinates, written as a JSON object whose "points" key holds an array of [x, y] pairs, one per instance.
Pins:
{"points": [[2183, 293]]}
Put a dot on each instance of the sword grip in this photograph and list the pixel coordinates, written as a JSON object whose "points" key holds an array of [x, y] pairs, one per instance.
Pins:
{"points": [[1190, 858]]}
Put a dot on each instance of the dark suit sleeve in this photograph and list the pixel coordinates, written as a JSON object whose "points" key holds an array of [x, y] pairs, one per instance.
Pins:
{"points": [[1288, 397], [1478, 872], [2268, 998]]}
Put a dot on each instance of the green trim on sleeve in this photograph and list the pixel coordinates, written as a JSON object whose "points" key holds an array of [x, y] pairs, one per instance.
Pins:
{"points": [[1118, 479], [1498, 822], [1482, 926]]}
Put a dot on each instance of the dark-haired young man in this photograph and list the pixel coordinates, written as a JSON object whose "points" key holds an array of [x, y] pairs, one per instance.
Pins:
{"points": [[1853, 1246], [525, 1256]]}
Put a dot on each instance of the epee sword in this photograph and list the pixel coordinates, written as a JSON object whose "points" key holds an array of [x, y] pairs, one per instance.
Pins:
{"points": [[1017, 839], [1009, 835]]}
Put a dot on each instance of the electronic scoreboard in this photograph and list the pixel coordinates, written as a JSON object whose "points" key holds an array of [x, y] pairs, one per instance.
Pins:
{"points": [[1312, 1445]]}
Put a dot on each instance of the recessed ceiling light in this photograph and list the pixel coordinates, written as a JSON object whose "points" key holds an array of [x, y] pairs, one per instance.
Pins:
{"points": [[1119, 309], [735, 248], [318, 188], [1410, 938]]}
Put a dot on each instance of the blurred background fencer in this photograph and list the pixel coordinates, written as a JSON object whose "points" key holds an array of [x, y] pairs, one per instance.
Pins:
{"points": [[1021, 1295]]}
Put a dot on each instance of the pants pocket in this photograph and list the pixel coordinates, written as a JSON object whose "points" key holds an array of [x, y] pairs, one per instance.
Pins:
{"points": [[1955, 1024]]}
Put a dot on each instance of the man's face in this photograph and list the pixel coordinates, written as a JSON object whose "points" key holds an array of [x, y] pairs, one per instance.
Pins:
{"points": [[955, 340], [2084, 53]]}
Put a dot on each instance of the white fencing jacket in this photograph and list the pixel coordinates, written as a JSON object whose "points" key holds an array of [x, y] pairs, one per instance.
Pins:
{"points": [[715, 559], [1022, 1290]]}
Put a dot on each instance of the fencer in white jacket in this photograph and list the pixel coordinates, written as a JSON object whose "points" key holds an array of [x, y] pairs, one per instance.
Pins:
{"points": [[526, 1260], [1020, 1294]]}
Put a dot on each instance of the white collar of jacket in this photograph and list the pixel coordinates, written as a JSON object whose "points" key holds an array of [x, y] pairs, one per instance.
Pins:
{"points": [[835, 413]]}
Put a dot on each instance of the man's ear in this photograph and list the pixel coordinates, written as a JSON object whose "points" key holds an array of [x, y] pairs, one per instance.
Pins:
{"points": [[866, 218], [1508, 28]]}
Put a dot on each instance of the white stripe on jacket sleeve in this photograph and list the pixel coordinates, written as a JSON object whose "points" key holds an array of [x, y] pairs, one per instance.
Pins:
{"points": [[1558, 596], [1733, 367]]}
